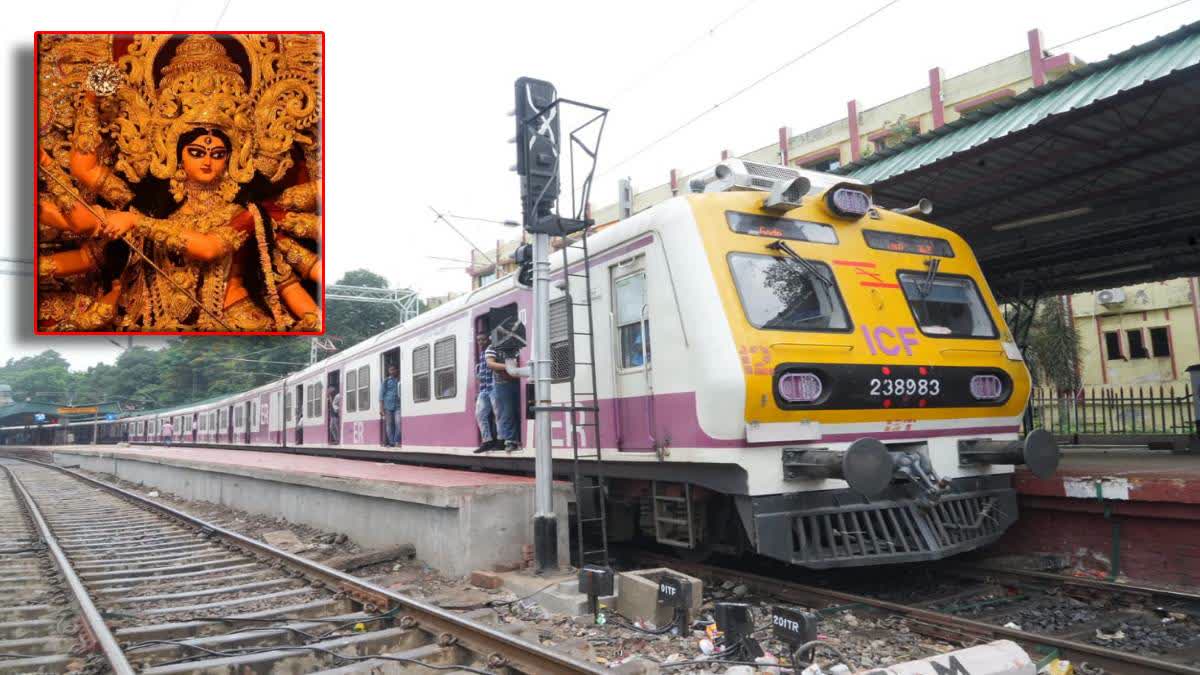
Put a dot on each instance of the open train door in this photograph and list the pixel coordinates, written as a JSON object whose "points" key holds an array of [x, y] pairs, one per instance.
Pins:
{"points": [[298, 415], [249, 422], [388, 359], [509, 316]]}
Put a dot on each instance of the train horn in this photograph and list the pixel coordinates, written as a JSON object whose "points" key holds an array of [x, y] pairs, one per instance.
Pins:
{"points": [[866, 465], [923, 207], [1039, 451]]}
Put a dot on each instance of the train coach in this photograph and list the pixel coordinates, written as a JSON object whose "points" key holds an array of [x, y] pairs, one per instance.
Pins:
{"points": [[782, 366]]}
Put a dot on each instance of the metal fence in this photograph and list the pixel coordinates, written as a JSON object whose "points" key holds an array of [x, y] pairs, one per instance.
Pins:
{"points": [[1114, 410]]}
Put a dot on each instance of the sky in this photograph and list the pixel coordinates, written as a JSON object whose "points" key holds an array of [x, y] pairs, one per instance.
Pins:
{"points": [[418, 94]]}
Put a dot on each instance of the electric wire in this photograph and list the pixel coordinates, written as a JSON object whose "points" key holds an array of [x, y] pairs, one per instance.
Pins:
{"points": [[638, 81], [492, 604], [1118, 25], [748, 87]]}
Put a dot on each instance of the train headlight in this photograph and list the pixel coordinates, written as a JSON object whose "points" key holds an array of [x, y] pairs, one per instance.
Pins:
{"points": [[800, 387], [848, 203], [986, 387]]}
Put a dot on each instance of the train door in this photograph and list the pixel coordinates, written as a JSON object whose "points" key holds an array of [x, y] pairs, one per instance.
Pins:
{"points": [[632, 360], [509, 316], [482, 327], [388, 360], [298, 399], [333, 407], [195, 426], [229, 425], [250, 421]]}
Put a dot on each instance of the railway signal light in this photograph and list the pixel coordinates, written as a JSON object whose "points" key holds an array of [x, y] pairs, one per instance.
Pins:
{"points": [[537, 141], [523, 256]]}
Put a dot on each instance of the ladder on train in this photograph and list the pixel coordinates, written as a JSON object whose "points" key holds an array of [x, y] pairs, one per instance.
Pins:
{"points": [[591, 508]]}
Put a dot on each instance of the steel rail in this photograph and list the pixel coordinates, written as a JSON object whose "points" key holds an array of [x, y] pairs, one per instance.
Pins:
{"points": [[979, 570], [803, 593], [94, 622], [501, 649]]}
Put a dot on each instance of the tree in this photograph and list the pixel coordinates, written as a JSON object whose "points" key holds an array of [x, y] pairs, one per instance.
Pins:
{"points": [[351, 322], [1053, 349]]}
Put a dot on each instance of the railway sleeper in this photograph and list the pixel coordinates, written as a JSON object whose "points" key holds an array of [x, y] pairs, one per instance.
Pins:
{"points": [[178, 630]]}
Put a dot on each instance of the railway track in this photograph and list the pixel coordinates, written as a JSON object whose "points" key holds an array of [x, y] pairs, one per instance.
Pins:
{"points": [[972, 605], [164, 593]]}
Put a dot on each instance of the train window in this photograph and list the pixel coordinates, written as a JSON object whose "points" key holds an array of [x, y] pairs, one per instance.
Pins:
{"points": [[313, 404], [420, 373], [351, 387], [364, 388], [781, 228], [947, 306], [782, 294], [908, 243], [237, 417], [445, 381], [562, 363], [633, 329], [287, 407]]}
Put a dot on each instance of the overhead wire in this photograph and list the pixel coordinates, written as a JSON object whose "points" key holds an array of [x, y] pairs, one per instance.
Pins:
{"points": [[704, 113], [1126, 22], [644, 72]]}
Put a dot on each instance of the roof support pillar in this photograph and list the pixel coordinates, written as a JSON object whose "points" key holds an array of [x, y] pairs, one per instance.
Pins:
{"points": [[852, 122], [1037, 58], [937, 107]]}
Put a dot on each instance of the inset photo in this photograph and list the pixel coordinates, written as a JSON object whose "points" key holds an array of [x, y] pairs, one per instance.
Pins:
{"points": [[179, 183]]}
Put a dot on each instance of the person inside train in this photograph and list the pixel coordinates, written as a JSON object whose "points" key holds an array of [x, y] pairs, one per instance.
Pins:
{"points": [[389, 406], [168, 431], [485, 415], [334, 406], [506, 400]]}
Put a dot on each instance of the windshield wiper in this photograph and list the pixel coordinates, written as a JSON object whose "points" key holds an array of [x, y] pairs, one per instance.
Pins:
{"points": [[809, 267], [925, 286]]}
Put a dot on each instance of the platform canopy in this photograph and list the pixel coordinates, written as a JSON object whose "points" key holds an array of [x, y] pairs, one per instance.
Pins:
{"points": [[1090, 181]]}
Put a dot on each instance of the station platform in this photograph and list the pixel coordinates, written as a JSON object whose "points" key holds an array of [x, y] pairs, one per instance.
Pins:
{"points": [[458, 520], [1114, 511]]}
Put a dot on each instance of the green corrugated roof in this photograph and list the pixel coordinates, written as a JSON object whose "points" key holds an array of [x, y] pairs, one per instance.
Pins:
{"points": [[1120, 72]]}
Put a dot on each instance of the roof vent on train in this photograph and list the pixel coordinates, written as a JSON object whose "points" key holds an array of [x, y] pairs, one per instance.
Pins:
{"points": [[738, 174]]}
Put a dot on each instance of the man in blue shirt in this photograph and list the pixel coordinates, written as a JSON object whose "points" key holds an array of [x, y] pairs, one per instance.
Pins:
{"points": [[389, 406], [506, 400], [484, 412]]}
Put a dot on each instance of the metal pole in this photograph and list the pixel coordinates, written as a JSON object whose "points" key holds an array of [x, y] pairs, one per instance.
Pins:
{"points": [[545, 523]]}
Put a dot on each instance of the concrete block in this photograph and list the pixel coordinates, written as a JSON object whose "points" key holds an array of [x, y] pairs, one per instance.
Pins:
{"points": [[557, 594], [488, 580], [637, 595], [283, 539]]}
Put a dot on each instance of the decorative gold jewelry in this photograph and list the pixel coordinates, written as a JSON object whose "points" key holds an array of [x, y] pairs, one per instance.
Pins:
{"points": [[178, 181], [306, 225], [87, 127], [284, 276], [301, 197], [166, 233], [47, 266], [114, 190], [300, 258], [264, 258], [246, 315], [311, 321], [228, 188]]}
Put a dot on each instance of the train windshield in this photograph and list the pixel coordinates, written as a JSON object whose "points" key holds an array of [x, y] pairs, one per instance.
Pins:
{"points": [[780, 294], [947, 306]]}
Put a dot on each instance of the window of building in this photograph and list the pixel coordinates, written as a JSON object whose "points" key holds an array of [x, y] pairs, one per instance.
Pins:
{"points": [[420, 373], [1137, 344], [1160, 341], [364, 388], [1112, 345], [445, 381], [632, 331], [562, 364], [487, 277], [829, 163]]}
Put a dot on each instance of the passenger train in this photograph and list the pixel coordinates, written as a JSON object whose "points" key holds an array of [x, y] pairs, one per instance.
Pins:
{"points": [[783, 367]]}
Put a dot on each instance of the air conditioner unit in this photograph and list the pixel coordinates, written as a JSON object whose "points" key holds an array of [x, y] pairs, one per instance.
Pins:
{"points": [[1111, 296], [737, 174]]}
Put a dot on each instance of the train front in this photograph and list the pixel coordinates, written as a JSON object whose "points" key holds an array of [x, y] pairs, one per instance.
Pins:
{"points": [[879, 375]]}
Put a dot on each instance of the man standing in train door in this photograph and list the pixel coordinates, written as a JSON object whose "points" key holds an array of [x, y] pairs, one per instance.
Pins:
{"points": [[485, 415], [168, 432], [506, 399], [389, 406]]}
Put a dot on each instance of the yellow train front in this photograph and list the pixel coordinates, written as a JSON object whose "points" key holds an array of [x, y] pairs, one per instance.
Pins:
{"points": [[882, 392]]}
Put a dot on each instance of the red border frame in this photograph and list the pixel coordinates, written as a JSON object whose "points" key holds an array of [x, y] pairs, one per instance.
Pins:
{"points": [[37, 154]]}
